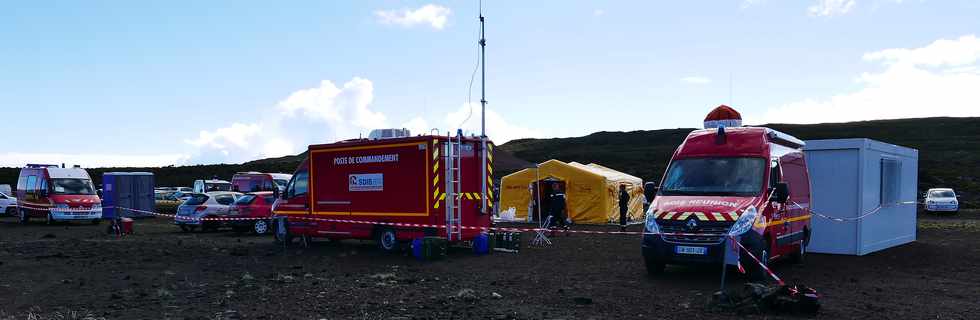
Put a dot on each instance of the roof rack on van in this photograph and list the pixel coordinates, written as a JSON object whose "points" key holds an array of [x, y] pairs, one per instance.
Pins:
{"points": [[784, 139], [35, 165]]}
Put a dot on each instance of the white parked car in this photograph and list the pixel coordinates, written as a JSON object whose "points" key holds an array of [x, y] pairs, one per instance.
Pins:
{"points": [[8, 205], [942, 200], [204, 205]]}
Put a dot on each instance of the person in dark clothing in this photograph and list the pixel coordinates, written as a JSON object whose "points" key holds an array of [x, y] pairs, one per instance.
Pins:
{"points": [[557, 206], [624, 204]]}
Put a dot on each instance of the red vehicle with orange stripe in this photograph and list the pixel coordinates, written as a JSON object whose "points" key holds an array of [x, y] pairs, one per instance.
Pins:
{"points": [[392, 190], [750, 183]]}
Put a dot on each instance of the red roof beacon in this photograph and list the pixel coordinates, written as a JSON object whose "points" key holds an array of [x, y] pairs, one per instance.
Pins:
{"points": [[723, 116]]}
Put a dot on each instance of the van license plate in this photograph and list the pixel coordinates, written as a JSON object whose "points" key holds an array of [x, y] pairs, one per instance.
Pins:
{"points": [[691, 250]]}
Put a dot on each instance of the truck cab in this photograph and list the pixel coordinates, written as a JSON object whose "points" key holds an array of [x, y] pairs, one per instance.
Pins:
{"points": [[746, 183], [57, 194]]}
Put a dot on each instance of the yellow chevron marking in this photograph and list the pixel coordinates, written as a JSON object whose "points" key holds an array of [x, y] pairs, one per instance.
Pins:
{"points": [[733, 216], [435, 167], [684, 216], [435, 194], [718, 216], [435, 180], [669, 215], [441, 197], [468, 195], [701, 216], [477, 196]]}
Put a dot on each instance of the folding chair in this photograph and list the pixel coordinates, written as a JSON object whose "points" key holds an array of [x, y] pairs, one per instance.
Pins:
{"points": [[541, 238]]}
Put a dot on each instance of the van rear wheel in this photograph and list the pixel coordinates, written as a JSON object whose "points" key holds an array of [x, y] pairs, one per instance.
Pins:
{"points": [[260, 227], [11, 212]]}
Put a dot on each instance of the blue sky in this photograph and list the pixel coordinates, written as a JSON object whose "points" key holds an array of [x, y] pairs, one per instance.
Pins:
{"points": [[185, 82]]}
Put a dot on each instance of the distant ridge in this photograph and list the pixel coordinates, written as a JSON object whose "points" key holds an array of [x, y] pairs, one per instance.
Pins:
{"points": [[949, 152]]}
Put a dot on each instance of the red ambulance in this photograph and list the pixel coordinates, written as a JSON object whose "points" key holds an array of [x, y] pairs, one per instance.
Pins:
{"points": [[57, 194], [424, 185], [730, 181]]}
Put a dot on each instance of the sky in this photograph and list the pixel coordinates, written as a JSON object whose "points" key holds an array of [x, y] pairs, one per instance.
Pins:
{"points": [[155, 83]]}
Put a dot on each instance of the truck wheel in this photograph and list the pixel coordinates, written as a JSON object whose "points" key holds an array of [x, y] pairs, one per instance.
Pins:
{"points": [[260, 227], [387, 240], [654, 268]]}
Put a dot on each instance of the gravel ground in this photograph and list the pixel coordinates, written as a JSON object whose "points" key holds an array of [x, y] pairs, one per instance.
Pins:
{"points": [[77, 272]]}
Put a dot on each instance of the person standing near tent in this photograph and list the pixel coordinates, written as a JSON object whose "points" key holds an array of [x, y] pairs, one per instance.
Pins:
{"points": [[624, 204], [557, 206]]}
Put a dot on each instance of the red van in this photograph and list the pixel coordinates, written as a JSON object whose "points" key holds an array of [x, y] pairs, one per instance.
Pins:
{"points": [[747, 182], [57, 194], [257, 181], [428, 185]]}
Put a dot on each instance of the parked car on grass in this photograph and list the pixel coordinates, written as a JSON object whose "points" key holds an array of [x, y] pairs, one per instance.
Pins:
{"points": [[942, 200], [253, 205], [202, 186], [8, 205], [204, 205]]}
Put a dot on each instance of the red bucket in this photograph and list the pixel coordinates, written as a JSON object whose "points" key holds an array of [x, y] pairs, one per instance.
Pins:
{"points": [[126, 225]]}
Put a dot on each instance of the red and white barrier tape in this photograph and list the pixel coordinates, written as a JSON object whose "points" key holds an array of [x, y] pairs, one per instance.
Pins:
{"points": [[59, 209], [757, 261], [849, 219]]}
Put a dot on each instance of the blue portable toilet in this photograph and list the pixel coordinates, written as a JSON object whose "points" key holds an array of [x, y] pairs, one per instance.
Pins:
{"points": [[132, 190]]}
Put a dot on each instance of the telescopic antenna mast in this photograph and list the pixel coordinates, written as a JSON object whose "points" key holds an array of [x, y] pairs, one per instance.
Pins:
{"points": [[483, 111]]}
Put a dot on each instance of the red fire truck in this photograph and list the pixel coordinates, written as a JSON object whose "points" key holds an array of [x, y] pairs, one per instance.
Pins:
{"points": [[391, 190]]}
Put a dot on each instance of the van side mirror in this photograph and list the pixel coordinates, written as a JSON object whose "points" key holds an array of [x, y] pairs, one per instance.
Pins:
{"points": [[780, 192], [650, 190]]}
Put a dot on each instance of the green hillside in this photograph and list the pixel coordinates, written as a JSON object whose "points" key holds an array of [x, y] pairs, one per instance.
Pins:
{"points": [[949, 148]]}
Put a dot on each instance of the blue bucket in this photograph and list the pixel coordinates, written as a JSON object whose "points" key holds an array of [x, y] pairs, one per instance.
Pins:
{"points": [[481, 244], [417, 249]]}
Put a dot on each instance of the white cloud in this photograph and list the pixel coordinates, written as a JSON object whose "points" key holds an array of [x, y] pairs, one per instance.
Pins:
{"points": [[750, 3], [498, 129], [314, 115], [598, 12], [696, 80], [434, 15], [940, 79], [830, 8], [417, 125], [93, 160]]}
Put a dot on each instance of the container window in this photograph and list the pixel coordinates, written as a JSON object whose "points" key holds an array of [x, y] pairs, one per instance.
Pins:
{"points": [[891, 182]]}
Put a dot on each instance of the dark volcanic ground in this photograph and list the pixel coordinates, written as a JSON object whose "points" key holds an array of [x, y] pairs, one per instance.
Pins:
{"points": [[74, 272]]}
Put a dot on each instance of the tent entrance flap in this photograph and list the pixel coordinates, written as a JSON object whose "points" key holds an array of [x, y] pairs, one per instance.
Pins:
{"points": [[548, 187]]}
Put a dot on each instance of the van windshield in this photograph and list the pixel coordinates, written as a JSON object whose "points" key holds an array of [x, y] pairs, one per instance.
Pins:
{"points": [[72, 186], [733, 176]]}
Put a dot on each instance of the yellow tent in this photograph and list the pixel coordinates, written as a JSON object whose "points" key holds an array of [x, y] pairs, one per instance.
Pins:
{"points": [[591, 191]]}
